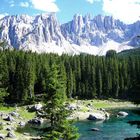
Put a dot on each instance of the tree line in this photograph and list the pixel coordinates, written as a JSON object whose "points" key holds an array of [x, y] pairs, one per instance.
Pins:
{"points": [[24, 75]]}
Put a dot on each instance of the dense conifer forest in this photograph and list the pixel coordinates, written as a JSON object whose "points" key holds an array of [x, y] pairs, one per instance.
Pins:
{"points": [[24, 75]]}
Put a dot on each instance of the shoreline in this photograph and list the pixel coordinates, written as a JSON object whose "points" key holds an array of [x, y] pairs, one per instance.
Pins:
{"points": [[83, 110]]}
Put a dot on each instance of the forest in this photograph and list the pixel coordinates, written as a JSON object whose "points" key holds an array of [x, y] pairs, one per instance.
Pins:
{"points": [[24, 75]]}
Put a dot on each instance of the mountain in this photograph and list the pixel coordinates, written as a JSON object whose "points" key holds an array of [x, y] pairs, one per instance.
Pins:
{"points": [[83, 34], [131, 52]]}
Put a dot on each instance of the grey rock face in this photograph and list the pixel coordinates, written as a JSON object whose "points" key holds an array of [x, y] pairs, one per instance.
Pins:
{"points": [[20, 30], [40, 32], [98, 30]]}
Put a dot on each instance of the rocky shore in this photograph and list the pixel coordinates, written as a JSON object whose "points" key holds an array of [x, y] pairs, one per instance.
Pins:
{"points": [[18, 117]]}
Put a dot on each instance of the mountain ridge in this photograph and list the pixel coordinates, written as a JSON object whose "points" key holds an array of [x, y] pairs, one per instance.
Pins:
{"points": [[83, 34]]}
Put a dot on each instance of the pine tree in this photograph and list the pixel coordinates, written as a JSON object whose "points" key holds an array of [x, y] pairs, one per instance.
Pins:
{"points": [[99, 82], [3, 78], [29, 78], [60, 127]]}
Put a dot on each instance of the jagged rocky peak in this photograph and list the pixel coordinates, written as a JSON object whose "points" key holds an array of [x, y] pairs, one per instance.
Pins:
{"points": [[83, 34], [87, 18], [44, 18], [22, 29], [93, 31]]}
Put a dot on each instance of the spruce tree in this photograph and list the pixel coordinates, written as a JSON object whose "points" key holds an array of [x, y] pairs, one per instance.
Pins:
{"points": [[60, 127]]}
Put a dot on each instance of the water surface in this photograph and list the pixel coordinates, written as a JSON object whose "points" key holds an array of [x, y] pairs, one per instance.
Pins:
{"points": [[112, 129]]}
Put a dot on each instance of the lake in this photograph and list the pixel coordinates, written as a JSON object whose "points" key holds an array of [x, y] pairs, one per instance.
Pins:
{"points": [[112, 129]]}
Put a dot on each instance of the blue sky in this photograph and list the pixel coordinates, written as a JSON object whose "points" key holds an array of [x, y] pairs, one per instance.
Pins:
{"points": [[127, 11]]}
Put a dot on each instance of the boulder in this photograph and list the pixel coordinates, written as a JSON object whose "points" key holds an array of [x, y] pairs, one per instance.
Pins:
{"points": [[14, 114], [8, 129], [107, 115], [2, 137], [72, 107], [22, 124], [96, 117], [36, 121], [9, 118], [36, 107], [11, 135], [122, 114], [95, 129]]}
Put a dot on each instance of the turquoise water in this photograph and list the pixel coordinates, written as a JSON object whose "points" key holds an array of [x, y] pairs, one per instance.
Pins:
{"points": [[112, 129]]}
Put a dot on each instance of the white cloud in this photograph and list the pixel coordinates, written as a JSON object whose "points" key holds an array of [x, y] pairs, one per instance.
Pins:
{"points": [[12, 3], [45, 5], [90, 1], [127, 11], [3, 15], [24, 4]]}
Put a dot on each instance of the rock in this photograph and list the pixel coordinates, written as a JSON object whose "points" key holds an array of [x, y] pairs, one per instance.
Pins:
{"points": [[96, 117], [36, 107], [8, 129], [95, 129], [2, 137], [107, 115], [9, 118], [72, 107], [8, 123], [122, 114], [89, 105], [36, 121], [102, 109], [11, 135], [2, 123], [26, 134], [14, 114], [22, 124], [1, 114]]}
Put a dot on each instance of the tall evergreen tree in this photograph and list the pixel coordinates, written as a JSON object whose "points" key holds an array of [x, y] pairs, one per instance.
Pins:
{"points": [[60, 128]]}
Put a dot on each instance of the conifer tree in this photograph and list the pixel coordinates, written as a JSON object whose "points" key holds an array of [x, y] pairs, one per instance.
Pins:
{"points": [[60, 127]]}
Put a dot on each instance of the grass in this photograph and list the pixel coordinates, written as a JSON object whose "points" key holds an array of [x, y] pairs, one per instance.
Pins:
{"points": [[6, 109], [101, 104], [21, 110], [25, 114], [29, 115], [111, 103]]}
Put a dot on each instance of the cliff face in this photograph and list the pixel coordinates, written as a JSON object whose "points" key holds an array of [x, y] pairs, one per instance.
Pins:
{"points": [[43, 33]]}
